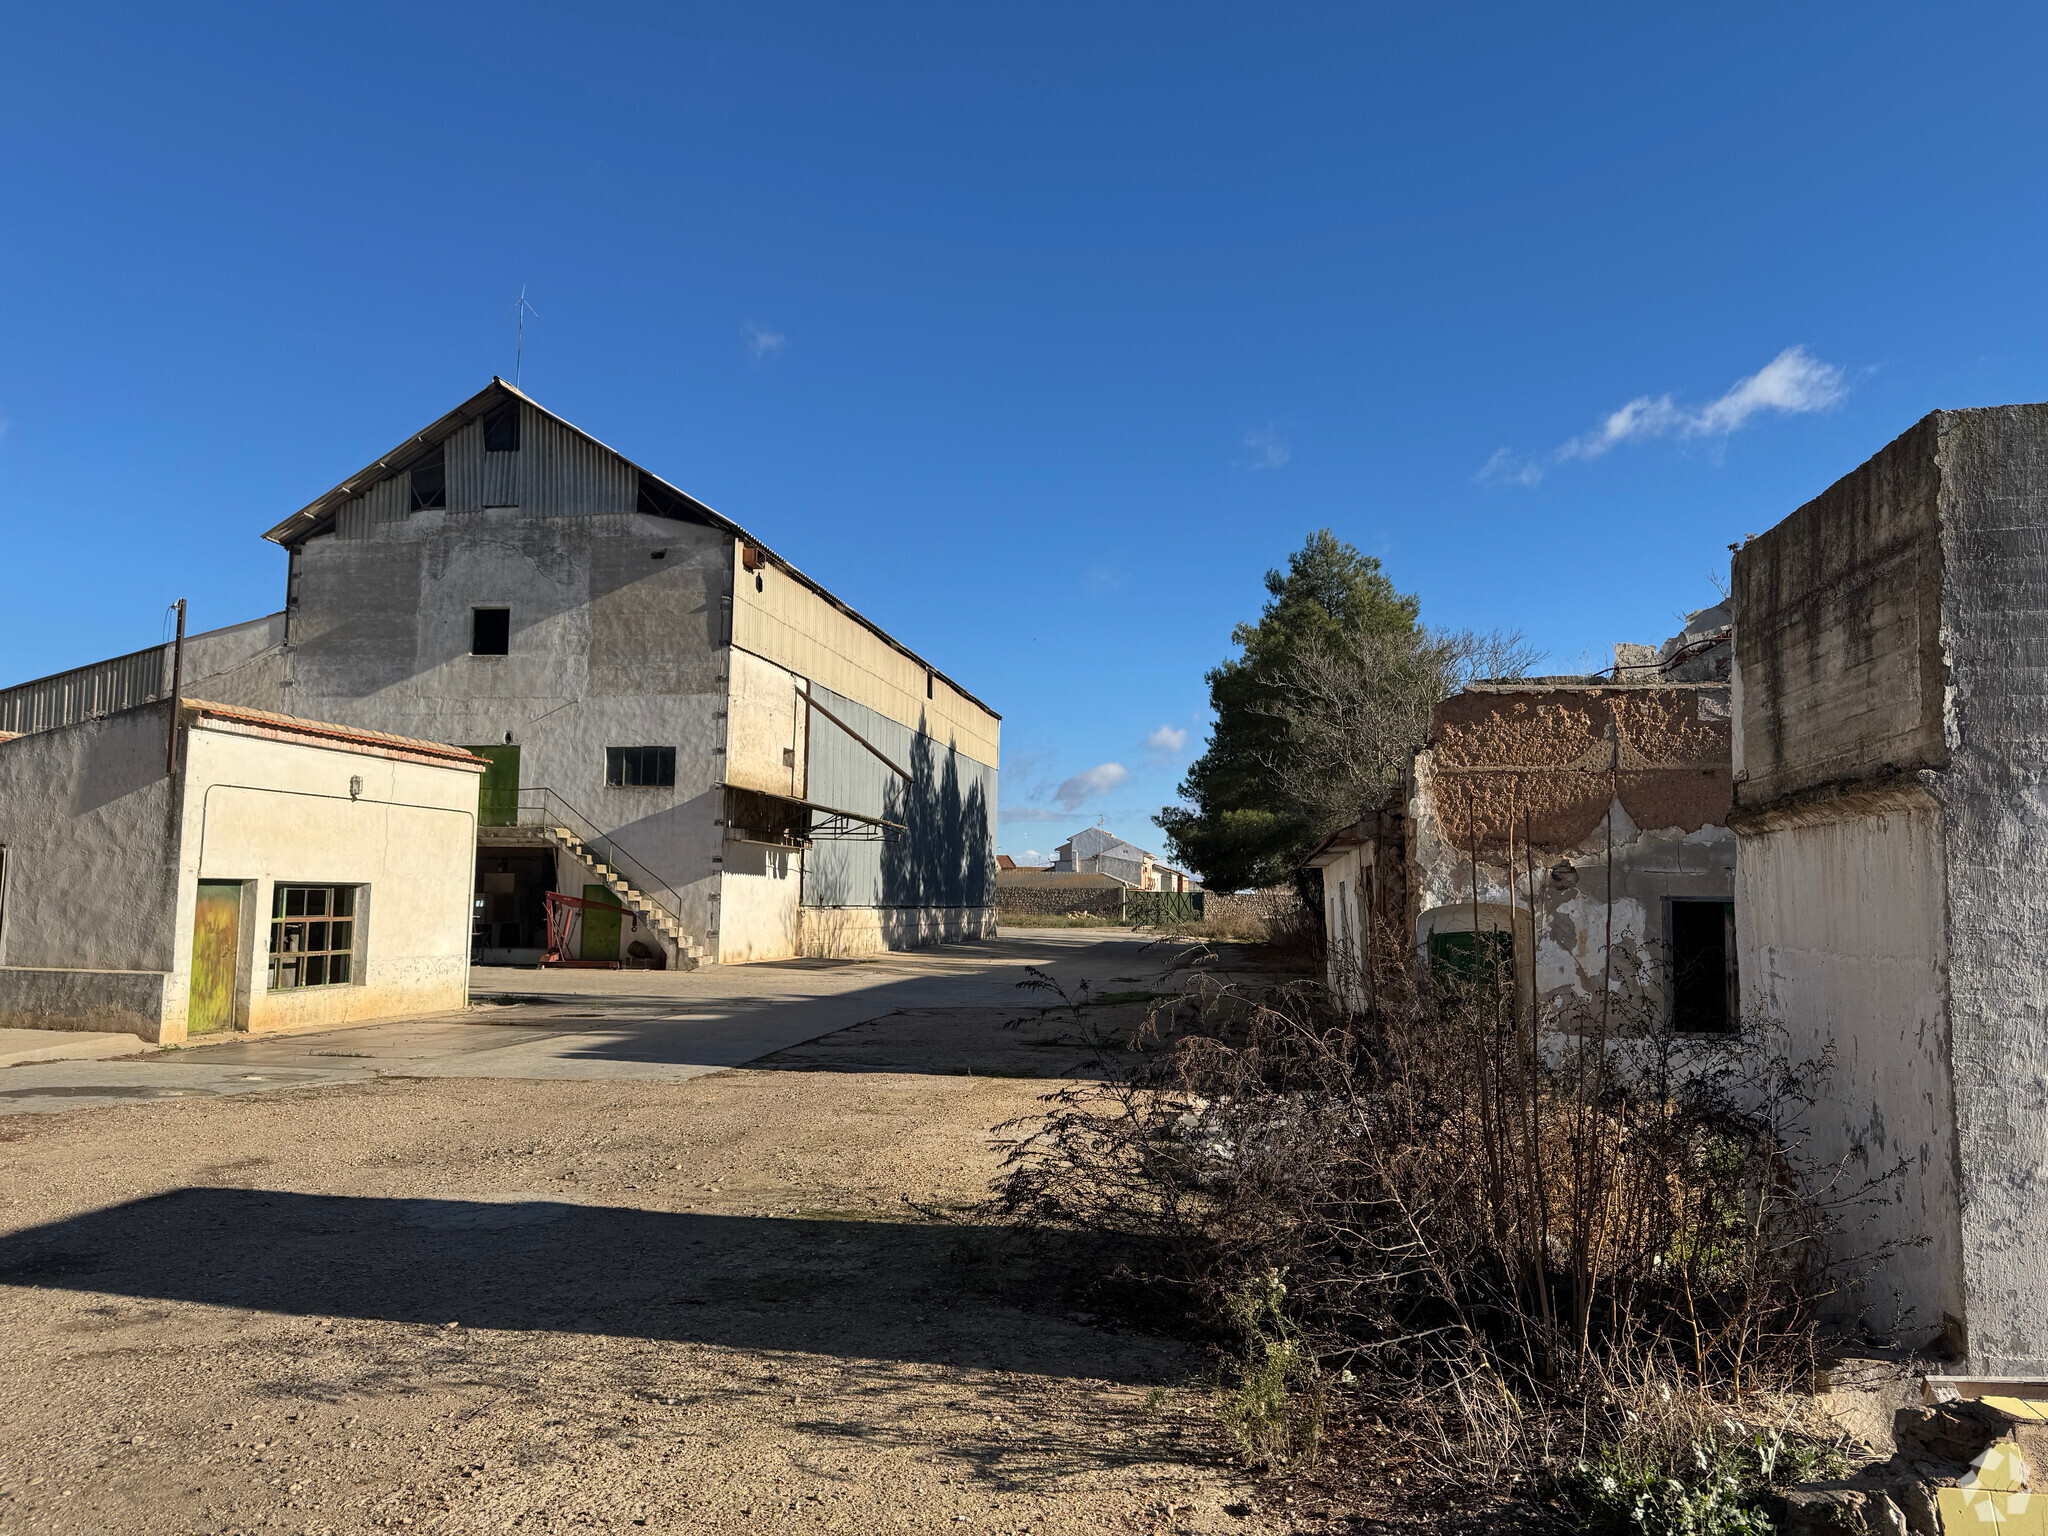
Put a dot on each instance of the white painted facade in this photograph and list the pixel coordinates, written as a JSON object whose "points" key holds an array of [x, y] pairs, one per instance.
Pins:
{"points": [[105, 851]]}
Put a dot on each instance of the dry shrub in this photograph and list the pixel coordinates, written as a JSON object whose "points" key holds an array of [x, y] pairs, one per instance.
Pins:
{"points": [[1500, 1230]]}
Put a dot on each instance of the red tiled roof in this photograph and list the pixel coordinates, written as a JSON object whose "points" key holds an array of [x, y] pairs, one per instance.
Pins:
{"points": [[328, 731]]}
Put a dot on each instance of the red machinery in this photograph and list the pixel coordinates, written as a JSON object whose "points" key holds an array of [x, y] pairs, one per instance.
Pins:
{"points": [[562, 919]]}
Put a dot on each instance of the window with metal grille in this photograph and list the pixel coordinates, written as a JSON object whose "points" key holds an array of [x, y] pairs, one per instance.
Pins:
{"points": [[631, 767], [312, 936]]}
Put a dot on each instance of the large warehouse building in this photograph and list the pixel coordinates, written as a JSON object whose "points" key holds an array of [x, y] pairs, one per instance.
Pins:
{"points": [[708, 753]]}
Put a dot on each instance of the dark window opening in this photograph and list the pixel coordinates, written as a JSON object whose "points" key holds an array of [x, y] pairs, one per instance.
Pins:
{"points": [[1484, 959], [640, 767], [1703, 965], [927, 682], [658, 500], [490, 631], [501, 429], [430, 480], [312, 936]]}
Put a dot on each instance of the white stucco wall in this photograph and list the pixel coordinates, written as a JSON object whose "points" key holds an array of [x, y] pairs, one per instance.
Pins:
{"points": [[106, 852], [89, 820], [261, 810], [1840, 930]]}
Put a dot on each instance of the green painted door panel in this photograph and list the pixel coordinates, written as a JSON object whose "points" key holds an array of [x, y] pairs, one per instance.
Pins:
{"points": [[216, 943], [497, 795], [600, 927]]}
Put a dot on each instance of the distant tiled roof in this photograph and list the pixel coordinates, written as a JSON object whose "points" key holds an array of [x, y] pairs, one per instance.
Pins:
{"points": [[327, 731]]}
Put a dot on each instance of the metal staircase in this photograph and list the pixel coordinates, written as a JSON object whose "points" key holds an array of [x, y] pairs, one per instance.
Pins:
{"points": [[648, 910], [543, 815]]}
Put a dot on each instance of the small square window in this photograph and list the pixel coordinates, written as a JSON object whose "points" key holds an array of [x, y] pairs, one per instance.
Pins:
{"points": [[640, 767], [308, 948], [490, 631]]}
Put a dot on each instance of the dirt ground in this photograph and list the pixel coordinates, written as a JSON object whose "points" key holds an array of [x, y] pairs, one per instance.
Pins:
{"points": [[736, 1303]]}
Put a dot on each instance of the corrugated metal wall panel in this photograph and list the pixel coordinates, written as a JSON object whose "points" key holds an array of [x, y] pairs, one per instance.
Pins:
{"points": [[100, 689], [564, 474], [501, 479], [465, 461], [388, 501], [946, 859]]}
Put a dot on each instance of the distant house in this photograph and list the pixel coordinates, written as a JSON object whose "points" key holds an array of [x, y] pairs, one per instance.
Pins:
{"points": [[1096, 852]]}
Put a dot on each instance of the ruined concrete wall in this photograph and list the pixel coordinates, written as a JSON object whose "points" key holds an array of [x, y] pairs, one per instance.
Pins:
{"points": [[1838, 634], [1994, 796], [1528, 779], [1841, 925], [1891, 649]]}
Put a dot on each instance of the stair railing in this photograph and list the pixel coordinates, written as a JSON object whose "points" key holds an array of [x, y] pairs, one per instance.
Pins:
{"points": [[543, 807]]}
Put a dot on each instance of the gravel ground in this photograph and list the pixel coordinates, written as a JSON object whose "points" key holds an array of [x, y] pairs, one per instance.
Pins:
{"points": [[729, 1304]]}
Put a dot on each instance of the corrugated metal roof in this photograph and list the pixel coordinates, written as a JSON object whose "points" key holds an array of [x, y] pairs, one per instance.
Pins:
{"points": [[326, 730], [318, 515]]}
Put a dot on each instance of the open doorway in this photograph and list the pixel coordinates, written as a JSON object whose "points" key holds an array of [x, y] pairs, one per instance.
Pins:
{"points": [[1700, 940], [511, 919]]}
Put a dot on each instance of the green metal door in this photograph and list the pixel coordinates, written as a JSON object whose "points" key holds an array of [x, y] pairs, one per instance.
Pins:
{"points": [[497, 796], [600, 927], [216, 943]]}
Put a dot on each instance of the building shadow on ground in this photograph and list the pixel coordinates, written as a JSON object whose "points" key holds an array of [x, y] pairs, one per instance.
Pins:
{"points": [[872, 1290]]}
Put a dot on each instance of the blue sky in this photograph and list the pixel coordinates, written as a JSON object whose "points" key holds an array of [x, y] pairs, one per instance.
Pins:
{"points": [[1037, 333]]}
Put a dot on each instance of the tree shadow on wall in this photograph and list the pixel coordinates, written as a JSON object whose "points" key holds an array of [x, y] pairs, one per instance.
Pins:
{"points": [[943, 857]]}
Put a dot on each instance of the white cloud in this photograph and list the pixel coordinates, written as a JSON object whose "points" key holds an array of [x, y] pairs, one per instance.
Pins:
{"points": [[1793, 383], [1269, 450], [761, 341], [1090, 784], [1033, 813], [1506, 467], [1167, 738], [1641, 417]]}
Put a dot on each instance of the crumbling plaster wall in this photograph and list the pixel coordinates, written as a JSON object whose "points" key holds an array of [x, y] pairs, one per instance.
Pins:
{"points": [[1994, 798], [1892, 685], [1532, 774]]}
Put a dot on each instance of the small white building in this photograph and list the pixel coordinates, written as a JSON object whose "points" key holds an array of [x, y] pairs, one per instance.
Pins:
{"points": [[260, 873]]}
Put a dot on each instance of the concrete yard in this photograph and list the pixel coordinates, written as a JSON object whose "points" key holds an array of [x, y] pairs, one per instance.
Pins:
{"points": [[611, 1251]]}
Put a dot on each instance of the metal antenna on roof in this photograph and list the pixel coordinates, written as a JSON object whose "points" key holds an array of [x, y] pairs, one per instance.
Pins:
{"points": [[520, 311]]}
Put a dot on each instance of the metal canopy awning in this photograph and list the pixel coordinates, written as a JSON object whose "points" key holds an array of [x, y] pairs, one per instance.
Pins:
{"points": [[829, 821]]}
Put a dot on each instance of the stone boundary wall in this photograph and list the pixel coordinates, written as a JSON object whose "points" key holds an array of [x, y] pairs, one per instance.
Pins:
{"points": [[1060, 901]]}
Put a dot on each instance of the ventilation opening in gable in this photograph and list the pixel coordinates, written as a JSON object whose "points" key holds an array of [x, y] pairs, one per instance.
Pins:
{"points": [[430, 480], [657, 500], [501, 429]]}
